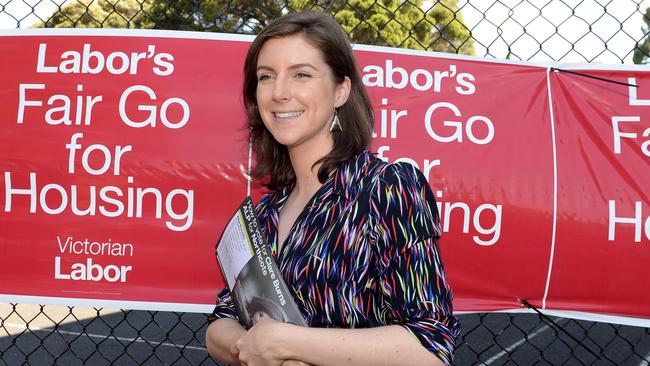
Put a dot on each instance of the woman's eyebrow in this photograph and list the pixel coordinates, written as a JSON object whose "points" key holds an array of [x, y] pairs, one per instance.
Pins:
{"points": [[262, 67], [301, 65], [292, 67]]}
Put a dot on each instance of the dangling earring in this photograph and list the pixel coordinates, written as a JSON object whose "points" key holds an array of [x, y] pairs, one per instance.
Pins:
{"points": [[336, 124]]}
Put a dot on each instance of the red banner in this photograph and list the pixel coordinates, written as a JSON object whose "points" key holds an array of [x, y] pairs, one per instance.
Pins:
{"points": [[602, 244], [123, 156]]}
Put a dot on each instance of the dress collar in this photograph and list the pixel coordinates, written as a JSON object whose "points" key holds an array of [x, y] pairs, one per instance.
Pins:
{"points": [[343, 181]]}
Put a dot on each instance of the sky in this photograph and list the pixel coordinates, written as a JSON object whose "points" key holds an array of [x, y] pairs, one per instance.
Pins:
{"points": [[23, 13], [494, 24]]}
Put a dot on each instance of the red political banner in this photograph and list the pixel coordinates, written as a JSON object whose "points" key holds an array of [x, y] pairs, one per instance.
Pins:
{"points": [[603, 200], [467, 126], [123, 156], [121, 163]]}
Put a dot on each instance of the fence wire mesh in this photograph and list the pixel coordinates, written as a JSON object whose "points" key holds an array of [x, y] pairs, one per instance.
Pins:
{"points": [[615, 31], [45, 335], [612, 31]]}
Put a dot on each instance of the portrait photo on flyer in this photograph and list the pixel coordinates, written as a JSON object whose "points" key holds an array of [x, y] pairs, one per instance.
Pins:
{"points": [[251, 273]]}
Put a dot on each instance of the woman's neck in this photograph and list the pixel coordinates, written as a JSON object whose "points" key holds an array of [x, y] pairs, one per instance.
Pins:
{"points": [[302, 161]]}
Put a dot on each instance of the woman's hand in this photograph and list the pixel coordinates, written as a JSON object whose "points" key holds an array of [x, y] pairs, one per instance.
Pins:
{"points": [[261, 345], [219, 338]]}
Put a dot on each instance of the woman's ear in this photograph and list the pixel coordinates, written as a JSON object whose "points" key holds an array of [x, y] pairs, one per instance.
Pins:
{"points": [[342, 92]]}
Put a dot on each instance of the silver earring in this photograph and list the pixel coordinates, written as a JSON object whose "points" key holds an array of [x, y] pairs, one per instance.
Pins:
{"points": [[336, 123]]}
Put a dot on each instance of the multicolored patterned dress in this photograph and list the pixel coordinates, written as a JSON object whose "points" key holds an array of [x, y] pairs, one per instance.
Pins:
{"points": [[363, 253]]}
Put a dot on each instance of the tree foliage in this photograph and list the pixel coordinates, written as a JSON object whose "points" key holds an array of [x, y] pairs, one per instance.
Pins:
{"points": [[642, 51], [98, 14], [397, 23], [406, 24]]}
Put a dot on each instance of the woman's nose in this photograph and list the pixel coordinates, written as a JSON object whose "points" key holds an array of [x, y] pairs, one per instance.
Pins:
{"points": [[281, 90]]}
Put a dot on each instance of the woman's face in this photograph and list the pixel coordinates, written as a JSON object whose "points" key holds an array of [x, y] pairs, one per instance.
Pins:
{"points": [[296, 93], [259, 315]]}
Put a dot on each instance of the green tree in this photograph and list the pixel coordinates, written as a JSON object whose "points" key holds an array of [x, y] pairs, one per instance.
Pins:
{"points": [[642, 51], [100, 14], [396, 23], [406, 24]]}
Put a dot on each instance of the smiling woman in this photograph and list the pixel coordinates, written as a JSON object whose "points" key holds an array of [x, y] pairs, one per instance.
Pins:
{"points": [[297, 95], [355, 238]]}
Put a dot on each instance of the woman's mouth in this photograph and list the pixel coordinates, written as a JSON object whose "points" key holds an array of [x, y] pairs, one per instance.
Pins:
{"points": [[292, 114]]}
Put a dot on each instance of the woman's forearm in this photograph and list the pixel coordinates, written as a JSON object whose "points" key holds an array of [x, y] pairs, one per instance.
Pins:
{"points": [[381, 346], [219, 338]]}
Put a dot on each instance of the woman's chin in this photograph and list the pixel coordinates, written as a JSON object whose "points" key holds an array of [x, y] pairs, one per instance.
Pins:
{"points": [[286, 140]]}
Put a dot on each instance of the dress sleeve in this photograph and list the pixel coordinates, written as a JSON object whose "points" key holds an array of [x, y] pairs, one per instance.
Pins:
{"points": [[417, 295], [225, 308]]}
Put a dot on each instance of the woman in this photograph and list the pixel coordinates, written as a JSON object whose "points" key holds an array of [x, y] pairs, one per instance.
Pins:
{"points": [[354, 237]]}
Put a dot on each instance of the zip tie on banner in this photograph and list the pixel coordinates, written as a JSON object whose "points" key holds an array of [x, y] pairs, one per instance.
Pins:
{"points": [[558, 328], [250, 162], [593, 77]]}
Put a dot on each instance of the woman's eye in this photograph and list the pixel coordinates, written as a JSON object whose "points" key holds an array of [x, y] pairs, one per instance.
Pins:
{"points": [[302, 75], [263, 77]]}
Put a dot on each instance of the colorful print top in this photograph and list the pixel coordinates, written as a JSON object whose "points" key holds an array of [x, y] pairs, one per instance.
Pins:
{"points": [[363, 253]]}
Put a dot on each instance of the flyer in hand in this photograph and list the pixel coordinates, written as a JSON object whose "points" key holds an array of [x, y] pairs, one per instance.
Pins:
{"points": [[251, 273]]}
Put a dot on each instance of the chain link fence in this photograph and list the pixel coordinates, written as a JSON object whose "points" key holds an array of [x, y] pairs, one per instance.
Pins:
{"points": [[615, 31], [46, 335]]}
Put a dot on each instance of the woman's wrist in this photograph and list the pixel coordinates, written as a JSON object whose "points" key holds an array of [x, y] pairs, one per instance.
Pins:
{"points": [[287, 338]]}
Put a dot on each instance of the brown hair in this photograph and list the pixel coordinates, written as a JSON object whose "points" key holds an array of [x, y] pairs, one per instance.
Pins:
{"points": [[270, 308], [322, 31]]}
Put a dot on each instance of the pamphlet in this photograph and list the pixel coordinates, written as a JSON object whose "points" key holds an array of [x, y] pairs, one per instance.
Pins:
{"points": [[251, 273]]}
